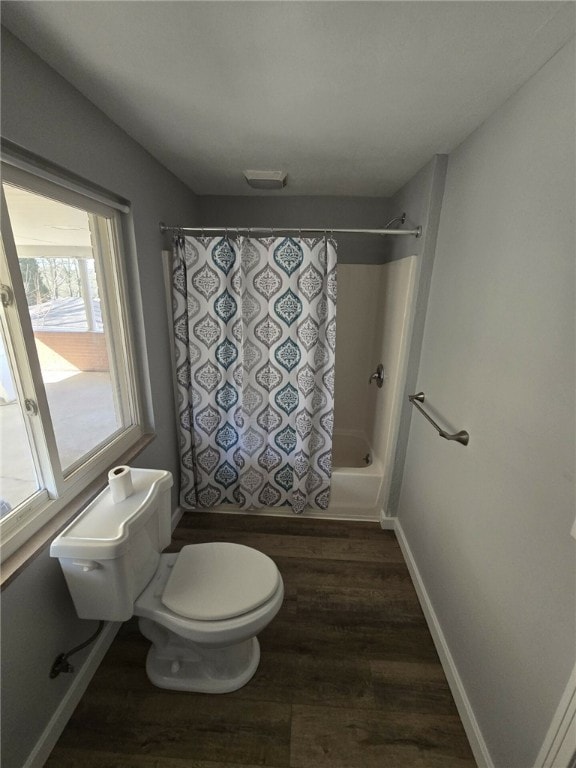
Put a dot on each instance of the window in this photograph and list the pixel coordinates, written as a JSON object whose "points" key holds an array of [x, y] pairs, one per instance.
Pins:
{"points": [[69, 405]]}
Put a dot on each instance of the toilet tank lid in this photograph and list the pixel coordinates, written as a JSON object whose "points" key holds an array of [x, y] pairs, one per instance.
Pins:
{"points": [[102, 530], [219, 580]]}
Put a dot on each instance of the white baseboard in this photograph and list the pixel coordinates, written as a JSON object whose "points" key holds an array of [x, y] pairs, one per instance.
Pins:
{"points": [[388, 523], [477, 743], [368, 515], [332, 513], [45, 744]]}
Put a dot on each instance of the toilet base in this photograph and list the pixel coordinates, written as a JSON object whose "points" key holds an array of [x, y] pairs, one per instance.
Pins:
{"points": [[180, 665]]}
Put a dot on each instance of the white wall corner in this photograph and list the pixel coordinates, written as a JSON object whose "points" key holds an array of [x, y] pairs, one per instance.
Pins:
{"points": [[47, 741], [463, 705]]}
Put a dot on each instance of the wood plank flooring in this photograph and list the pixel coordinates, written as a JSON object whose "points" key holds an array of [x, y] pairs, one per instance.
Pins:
{"points": [[349, 676]]}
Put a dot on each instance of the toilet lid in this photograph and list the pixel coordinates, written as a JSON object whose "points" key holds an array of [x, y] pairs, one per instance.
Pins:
{"points": [[219, 580]]}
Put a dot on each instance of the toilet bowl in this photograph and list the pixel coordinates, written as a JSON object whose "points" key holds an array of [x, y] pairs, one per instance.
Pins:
{"points": [[200, 608], [207, 641]]}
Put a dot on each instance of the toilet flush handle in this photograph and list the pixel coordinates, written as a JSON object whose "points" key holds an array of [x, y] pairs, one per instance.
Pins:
{"points": [[86, 565]]}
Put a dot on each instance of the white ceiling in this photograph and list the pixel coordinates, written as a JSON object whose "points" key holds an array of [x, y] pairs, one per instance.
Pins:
{"points": [[349, 98]]}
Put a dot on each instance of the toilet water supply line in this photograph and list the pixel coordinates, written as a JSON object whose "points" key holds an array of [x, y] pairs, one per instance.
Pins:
{"points": [[61, 663]]}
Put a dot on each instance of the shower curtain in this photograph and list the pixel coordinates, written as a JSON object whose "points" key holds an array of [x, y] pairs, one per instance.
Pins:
{"points": [[255, 334]]}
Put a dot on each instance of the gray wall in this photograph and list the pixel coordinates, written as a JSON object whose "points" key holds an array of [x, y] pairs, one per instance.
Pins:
{"points": [[286, 211], [489, 525], [44, 114]]}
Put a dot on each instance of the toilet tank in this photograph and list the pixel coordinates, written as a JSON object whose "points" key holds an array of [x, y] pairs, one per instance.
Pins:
{"points": [[111, 550]]}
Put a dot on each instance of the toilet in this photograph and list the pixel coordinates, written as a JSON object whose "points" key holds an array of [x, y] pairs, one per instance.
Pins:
{"points": [[200, 608]]}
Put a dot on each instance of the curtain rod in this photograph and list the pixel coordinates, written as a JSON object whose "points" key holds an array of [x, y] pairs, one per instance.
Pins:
{"points": [[321, 230]]}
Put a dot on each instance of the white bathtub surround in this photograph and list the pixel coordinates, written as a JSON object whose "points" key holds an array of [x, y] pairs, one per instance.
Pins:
{"points": [[376, 305], [356, 346], [356, 491], [375, 309], [350, 448], [356, 477]]}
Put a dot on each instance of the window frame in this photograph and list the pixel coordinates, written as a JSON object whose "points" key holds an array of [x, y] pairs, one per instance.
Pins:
{"points": [[108, 219]]}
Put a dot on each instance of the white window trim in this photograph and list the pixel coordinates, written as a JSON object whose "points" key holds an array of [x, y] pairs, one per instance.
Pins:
{"points": [[61, 491], [11, 157]]}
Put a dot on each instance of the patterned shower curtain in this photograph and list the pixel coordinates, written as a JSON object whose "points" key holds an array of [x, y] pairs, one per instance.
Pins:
{"points": [[255, 334]]}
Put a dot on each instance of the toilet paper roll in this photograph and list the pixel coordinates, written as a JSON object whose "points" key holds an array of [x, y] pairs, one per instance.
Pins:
{"points": [[120, 481]]}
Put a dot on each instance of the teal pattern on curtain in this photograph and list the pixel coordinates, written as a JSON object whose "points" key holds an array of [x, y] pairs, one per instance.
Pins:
{"points": [[255, 335]]}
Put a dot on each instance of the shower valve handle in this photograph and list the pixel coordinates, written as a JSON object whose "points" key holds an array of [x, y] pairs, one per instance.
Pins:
{"points": [[378, 376]]}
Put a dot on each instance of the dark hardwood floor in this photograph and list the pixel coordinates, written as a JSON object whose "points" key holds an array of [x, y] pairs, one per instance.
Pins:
{"points": [[349, 676]]}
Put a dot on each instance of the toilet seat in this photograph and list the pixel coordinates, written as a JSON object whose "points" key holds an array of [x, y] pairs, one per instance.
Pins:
{"points": [[219, 580], [218, 633]]}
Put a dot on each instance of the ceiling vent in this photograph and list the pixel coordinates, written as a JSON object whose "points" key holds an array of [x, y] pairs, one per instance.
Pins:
{"points": [[266, 179]]}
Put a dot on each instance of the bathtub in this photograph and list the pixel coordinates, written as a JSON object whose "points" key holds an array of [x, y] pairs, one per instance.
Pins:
{"points": [[356, 477]]}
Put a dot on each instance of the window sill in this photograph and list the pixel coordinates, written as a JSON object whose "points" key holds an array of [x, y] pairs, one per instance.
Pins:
{"points": [[16, 563]]}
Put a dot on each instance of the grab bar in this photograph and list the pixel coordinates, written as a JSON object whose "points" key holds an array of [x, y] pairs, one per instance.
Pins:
{"points": [[460, 437]]}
